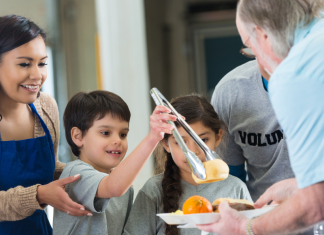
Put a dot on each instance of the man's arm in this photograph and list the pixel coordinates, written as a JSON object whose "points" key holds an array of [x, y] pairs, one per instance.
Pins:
{"points": [[304, 209]]}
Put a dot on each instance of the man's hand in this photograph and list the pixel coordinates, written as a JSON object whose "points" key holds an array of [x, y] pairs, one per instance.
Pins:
{"points": [[54, 194], [231, 222], [278, 192]]}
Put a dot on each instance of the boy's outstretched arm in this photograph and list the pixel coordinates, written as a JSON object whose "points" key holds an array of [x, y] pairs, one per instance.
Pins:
{"points": [[122, 177]]}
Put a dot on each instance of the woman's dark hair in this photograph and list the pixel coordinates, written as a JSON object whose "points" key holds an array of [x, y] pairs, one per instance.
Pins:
{"points": [[84, 108], [16, 31], [195, 108]]}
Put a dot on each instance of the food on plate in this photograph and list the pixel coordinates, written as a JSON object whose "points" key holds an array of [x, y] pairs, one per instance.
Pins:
{"points": [[197, 204], [178, 212], [216, 170], [237, 204]]}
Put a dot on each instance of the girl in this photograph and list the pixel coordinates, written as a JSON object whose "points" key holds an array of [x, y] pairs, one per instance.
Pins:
{"points": [[165, 193]]}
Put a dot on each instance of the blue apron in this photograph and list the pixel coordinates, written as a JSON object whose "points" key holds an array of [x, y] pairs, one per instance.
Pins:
{"points": [[26, 163]]}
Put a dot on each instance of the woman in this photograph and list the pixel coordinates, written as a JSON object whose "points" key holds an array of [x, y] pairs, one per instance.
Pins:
{"points": [[29, 134]]}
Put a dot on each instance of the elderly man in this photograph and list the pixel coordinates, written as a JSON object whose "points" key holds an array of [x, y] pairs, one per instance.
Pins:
{"points": [[287, 37]]}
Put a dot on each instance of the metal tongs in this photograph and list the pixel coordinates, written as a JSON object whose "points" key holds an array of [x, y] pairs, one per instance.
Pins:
{"points": [[194, 162]]}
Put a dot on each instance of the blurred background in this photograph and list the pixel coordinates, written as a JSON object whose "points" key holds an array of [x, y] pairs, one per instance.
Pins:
{"points": [[130, 46]]}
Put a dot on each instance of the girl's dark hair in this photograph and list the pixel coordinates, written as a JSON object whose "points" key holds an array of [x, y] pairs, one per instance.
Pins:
{"points": [[84, 108], [16, 31], [195, 108]]}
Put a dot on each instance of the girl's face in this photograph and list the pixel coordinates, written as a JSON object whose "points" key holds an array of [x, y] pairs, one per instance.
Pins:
{"points": [[207, 135], [23, 71]]}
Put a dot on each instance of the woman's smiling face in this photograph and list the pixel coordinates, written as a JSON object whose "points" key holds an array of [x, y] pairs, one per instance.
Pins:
{"points": [[23, 71]]}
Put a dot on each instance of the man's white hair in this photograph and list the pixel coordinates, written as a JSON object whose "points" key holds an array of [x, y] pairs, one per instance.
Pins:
{"points": [[279, 18]]}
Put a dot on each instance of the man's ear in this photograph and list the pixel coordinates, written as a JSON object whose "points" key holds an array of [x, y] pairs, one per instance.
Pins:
{"points": [[76, 135], [166, 145], [263, 40], [261, 34], [219, 137]]}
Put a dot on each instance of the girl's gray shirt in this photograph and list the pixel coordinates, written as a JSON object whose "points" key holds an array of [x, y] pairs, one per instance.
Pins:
{"points": [[148, 203]]}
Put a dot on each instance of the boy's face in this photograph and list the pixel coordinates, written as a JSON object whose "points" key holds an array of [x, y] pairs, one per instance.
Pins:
{"points": [[104, 145]]}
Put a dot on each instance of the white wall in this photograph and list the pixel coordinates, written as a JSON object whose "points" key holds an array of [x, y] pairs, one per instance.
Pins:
{"points": [[121, 28]]}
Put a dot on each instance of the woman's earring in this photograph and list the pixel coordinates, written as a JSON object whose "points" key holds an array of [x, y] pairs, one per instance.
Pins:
{"points": [[0, 117]]}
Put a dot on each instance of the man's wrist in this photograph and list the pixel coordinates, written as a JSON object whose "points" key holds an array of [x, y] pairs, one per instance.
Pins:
{"points": [[249, 230]]}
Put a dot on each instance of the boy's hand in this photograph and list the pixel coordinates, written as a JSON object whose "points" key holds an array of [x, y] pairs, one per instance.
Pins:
{"points": [[158, 122], [54, 194]]}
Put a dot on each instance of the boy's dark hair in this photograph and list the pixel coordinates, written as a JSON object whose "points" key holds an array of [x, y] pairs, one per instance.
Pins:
{"points": [[84, 108]]}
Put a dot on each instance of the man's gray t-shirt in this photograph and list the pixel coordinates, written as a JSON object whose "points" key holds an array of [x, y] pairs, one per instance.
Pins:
{"points": [[148, 203], [109, 215], [254, 134]]}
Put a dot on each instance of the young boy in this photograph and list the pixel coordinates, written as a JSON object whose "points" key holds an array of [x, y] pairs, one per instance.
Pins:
{"points": [[96, 127]]}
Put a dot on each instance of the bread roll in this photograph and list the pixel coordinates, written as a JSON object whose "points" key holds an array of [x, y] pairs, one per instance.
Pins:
{"points": [[216, 170]]}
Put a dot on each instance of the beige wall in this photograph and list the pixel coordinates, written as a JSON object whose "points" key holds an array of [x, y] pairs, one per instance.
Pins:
{"points": [[32, 9], [168, 57], [157, 34], [78, 24]]}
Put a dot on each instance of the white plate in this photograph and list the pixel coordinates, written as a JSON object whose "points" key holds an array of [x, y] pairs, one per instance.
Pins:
{"points": [[208, 218], [201, 218]]}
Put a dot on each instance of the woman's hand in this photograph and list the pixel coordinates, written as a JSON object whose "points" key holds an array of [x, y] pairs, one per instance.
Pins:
{"points": [[278, 192], [54, 194], [158, 123]]}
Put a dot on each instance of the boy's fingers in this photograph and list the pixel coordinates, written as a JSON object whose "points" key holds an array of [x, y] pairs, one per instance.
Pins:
{"points": [[162, 127], [163, 117], [161, 109], [154, 122], [159, 129], [167, 117]]}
